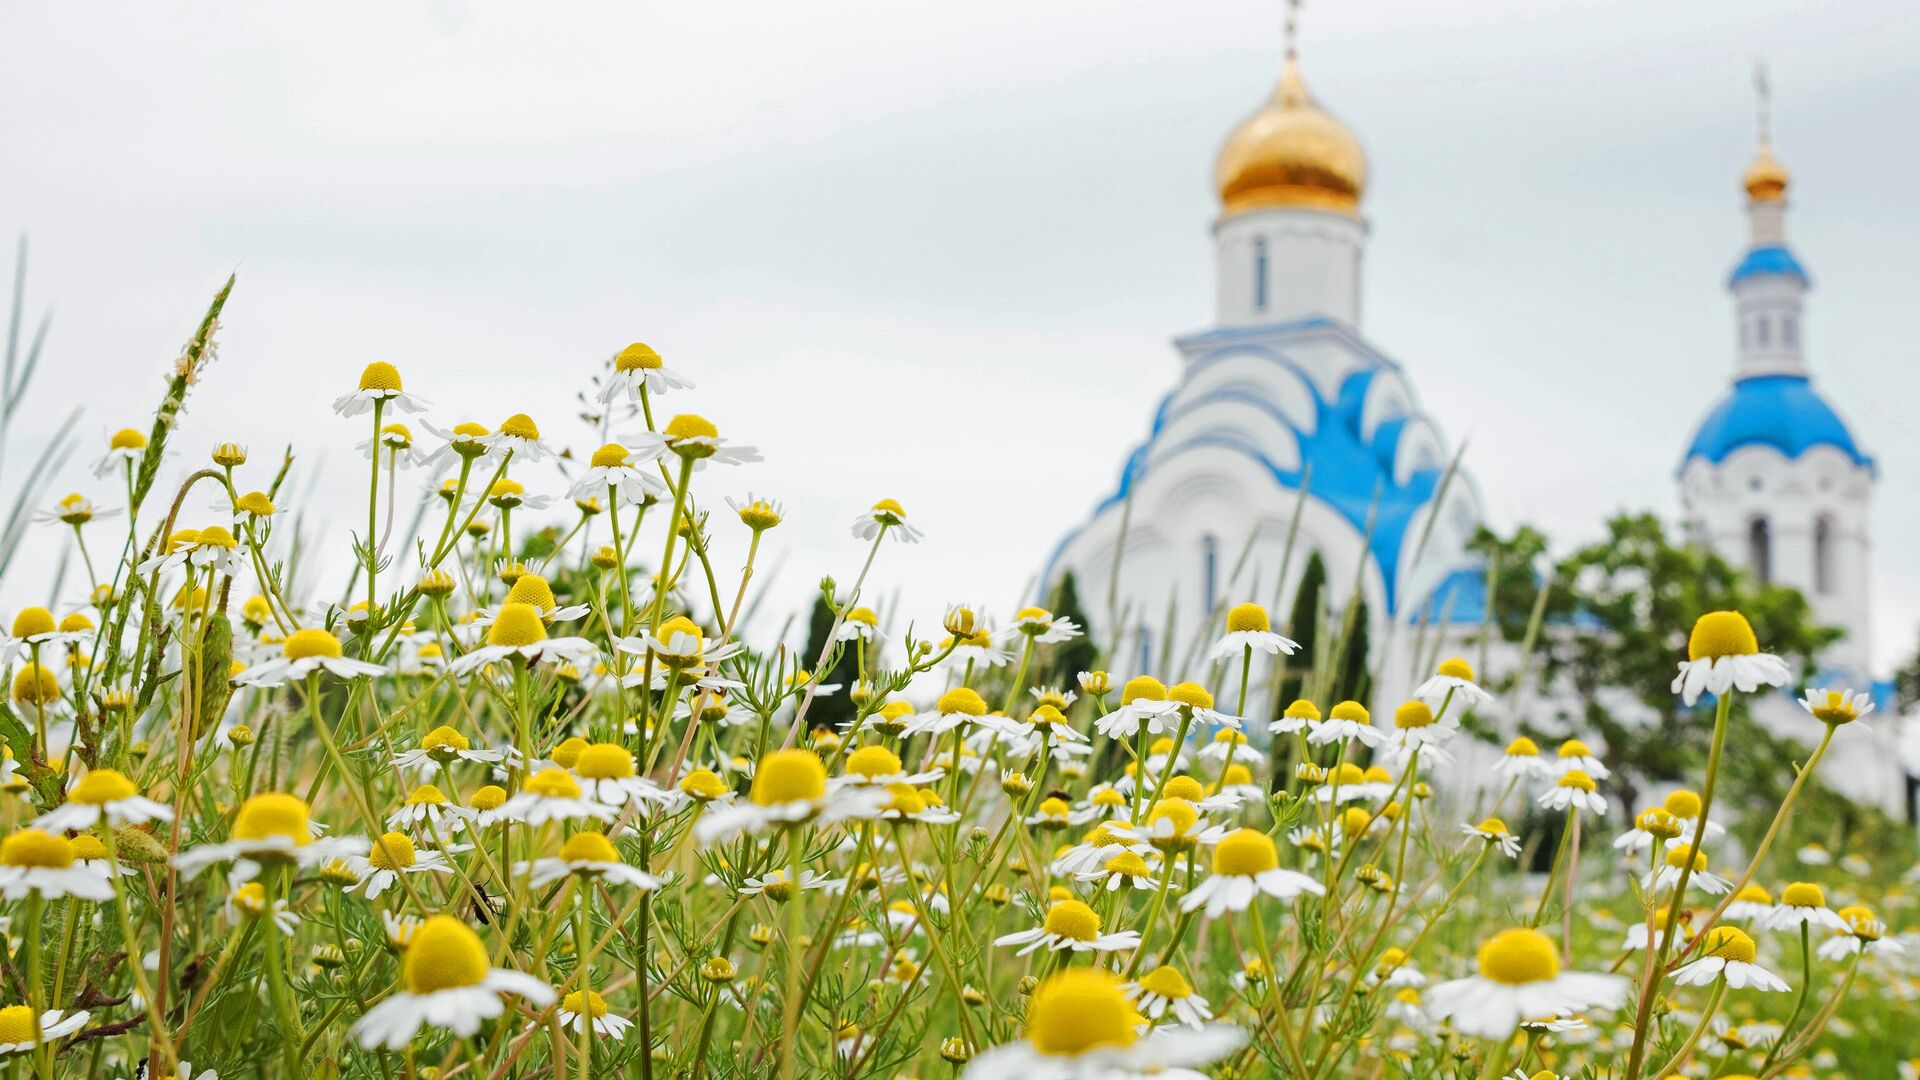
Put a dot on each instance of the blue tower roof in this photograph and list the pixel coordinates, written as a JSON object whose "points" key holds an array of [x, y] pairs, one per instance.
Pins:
{"points": [[1781, 411], [1772, 259]]}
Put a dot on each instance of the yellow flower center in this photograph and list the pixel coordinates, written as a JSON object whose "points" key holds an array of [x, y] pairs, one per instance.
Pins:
{"points": [[35, 848], [1413, 714], [1143, 688], [1677, 858], [689, 426], [1754, 894], [1493, 826], [1246, 617], [890, 512], [962, 700], [1804, 894], [610, 456], [872, 761], [1574, 748], [1351, 710], [380, 375], [787, 776], [1077, 1010], [217, 536], [1236, 776], [1578, 779], [16, 1025], [1129, 864], [36, 684], [445, 954], [102, 786], [1721, 633], [637, 357], [273, 814], [257, 504], [127, 439], [31, 621], [76, 623], [1730, 943], [516, 626], [1179, 813], [589, 847], [1184, 787], [567, 754], [445, 741], [1523, 747], [426, 795], [1683, 804], [489, 797], [1190, 694], [306, 644], [553, 784], [1835, 709], [585, 1003], [393, 851], [1519, 956], [532, 589], [520, 426], [703, 784], [1456, 668], [1245, 853], [88, 846], [605, 761], [1355, 821], [1073, 919], [1167, 982]]}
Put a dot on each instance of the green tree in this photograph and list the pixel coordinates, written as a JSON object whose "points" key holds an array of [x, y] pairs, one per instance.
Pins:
{"points": [[837, 708], [1617, 615], [1069, 658]]}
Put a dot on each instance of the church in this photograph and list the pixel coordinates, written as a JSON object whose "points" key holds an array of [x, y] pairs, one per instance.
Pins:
{"points": [[1291, 439]]}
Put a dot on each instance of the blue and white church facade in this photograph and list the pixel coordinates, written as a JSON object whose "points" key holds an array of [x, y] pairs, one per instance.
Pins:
{"points": [[1287, 431]]}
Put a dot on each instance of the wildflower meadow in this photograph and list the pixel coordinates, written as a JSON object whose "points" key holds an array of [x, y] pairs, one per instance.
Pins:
{"points": [[516, 797]]}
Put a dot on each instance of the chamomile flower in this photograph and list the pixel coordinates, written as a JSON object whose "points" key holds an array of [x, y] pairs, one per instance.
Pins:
{"points": [[1574, 754], [271, 827], [45, 864], [1667, 876], [609, 775], [1249, 630], [1197, 702], [1173, 825], [397, 441], [103, 795], [21, 1031], [959, 706], [693, 439], [614, 466], [589, 855], [520, 435], [304, 653], [1298, 716], [445, 745], [125, 448], [582, 1010], [887, 516], [1415, 727], [553, 794], [1723, 654], [426, 805], [875, 765], [1685, 807], [680, 646], [1143, 702], [1752, 904], [519, 633], [1246, 864], [536, 590], [1864, 933], [380, 381], [465, 441], [1519, 977], [1728, 953], [789, 787], [638, 368], [1522, 761], [860, 624], [1452, 680], [1070, 926], [1165, 992], [390, 856], [975, 649], [1125, 869], [1494, 831], [1803, 904], [1836, 707], [1080, 1025], [446, 983], [74, 510], [248, 900], [213, 547], [1574, 789], [34, 627], [1347, 720]]}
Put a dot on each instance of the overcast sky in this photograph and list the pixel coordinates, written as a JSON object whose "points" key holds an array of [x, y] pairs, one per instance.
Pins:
{"points": [[936, 251]]}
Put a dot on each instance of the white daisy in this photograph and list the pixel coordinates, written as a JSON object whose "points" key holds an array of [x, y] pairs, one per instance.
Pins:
{"points": [[887, 516], [1070, 926], [581, 1010], [614, 466], [378, 382], [303, 653], [1452, 681], [1246, 864], [553, 795], [1519, 977], [447, 983], [1080, 1026], [443, 746], [639, 368], [1347, 720], [591, 855], [1495, 831], [45, 864], [1728, 953], [1836, 707], [1143, 702], [268, 828], [1249, 629], [695, 440], [389, 857], [103, 795], [17, 1026], [1574, 789], [789, 787], [519, 632], [1723, 654], [1164, 991], [1803, 904], [519, 435]]}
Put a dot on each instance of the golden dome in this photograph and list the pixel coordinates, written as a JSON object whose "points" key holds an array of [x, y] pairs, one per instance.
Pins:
{"points": [[1291, 153], [1766, 178]]}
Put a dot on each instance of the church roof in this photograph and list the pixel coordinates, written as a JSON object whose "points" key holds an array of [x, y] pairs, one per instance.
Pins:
{"points": [[1781, 411], [1767, 259]]}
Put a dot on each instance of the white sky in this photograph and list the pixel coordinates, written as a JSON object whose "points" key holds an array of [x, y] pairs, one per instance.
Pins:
{"points": [[936, 251]]}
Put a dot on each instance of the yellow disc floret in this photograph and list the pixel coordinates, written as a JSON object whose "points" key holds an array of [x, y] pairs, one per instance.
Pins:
{"points": [[589, 847], [1245, 853], [1519, 956], [605, 761], [102, 786], [516, 626], [1073, 919], [1077, 1010], [445, 954], [1248, 617], [38, 849], [273, 814], [311, 643], [1721, 633], [393, 851], [787, 776]]}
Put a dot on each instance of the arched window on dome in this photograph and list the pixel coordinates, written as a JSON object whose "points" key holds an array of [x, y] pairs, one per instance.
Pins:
{"points": [[1760, 550], [1209, 573], [1760, 331], [1789, 331], [1823, 554], [1259, 273]]}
